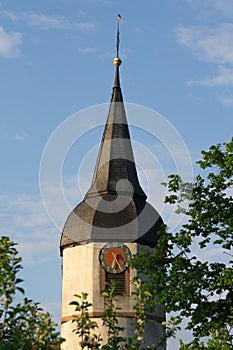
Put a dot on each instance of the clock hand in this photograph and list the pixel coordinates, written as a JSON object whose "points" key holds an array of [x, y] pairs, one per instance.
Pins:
{"points": [[120, 268], [114, 260]]}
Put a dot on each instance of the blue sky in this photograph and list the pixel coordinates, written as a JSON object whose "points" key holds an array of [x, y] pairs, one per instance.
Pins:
{"points": [[56, 59]]}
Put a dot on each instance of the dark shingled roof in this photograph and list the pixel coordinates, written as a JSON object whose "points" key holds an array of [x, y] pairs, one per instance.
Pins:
{"points": [[115, 207]]}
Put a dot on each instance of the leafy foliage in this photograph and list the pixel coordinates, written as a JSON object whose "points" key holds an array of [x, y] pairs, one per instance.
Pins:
{"points": [[23, 326], [197, 288], [10, 265], [219, 340], [110, 318], [86, 328], [84, 325]]}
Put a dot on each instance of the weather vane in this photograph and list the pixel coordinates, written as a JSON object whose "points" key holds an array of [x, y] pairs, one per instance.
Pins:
{"points": [[118, 35]]}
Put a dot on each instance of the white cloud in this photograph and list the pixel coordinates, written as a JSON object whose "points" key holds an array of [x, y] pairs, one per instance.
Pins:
{"points": [[85, 25], [39, 250], [21, 136], [23, 218], [212, 45], [56, 22], [223, 78], [211, 253], [209, 44], [10, 43], [104, 2], [227, 101], [11, 15], [47, 22], [223, 8], [87, 50], [137, 29]]}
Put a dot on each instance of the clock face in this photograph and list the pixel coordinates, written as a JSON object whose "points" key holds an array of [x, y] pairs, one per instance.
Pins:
{"points": [[115, 257]]}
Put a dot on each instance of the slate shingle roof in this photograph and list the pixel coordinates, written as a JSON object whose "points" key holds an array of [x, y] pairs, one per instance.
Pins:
{"points": [[115, 206]]}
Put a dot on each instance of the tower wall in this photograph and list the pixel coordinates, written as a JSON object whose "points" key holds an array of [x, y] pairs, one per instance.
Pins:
{"points": [[81, 272]]}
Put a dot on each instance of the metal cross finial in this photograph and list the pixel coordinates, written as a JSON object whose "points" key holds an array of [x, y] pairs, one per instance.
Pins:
{"points": [[118, 35]]}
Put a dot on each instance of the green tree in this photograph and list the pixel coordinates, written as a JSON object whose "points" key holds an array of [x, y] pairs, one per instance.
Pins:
{"points": [[110, 318], [86, 329], [198, 289], [10, 265], [23, 326]]}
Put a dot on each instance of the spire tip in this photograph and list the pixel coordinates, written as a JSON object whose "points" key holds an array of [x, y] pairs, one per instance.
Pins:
{"points": [[118, 35], [117, 61]]}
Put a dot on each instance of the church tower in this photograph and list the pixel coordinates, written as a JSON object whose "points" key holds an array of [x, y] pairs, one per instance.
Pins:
{"points": [[112, 223]]}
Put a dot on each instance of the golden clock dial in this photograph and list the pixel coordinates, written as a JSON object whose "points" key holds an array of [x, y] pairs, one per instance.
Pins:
{"points": [[115, 258]]}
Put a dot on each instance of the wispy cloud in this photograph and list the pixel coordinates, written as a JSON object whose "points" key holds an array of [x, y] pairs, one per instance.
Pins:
{"points": [[10, 43], [86, 26], [137, 29], [104, 2], [46, 22], [206, 43], [215, 46], [210, 253], [21, 136], [87, 50], [11, 15], [224, 7], [208, 8], [23, 218], [223, 78], [227, 101]]}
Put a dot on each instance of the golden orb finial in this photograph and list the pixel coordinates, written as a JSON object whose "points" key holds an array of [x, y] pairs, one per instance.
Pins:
{"points": [[117, 61]]}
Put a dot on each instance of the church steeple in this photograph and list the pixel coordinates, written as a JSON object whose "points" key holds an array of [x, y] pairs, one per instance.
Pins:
{"points": [[115, 170], [102, 232], [115, 206]]}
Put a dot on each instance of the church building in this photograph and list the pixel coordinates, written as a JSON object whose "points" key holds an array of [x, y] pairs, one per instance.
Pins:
{"points": [[113, 221]]}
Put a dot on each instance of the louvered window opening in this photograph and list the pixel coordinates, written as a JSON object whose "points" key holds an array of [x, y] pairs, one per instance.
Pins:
{"points": [[119, 278]]}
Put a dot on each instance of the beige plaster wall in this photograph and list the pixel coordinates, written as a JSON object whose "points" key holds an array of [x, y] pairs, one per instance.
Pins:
{"points": [[81, 273]]}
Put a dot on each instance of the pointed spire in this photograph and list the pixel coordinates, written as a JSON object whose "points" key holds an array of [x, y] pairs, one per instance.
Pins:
{"points": [[115, 207], [117, 79], [116, 160]]}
